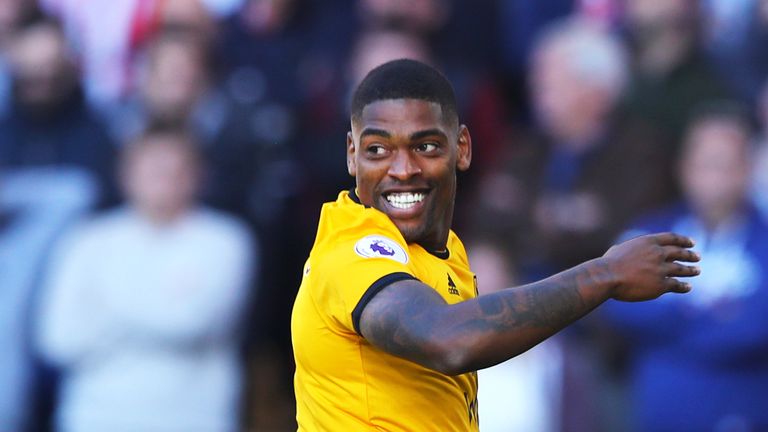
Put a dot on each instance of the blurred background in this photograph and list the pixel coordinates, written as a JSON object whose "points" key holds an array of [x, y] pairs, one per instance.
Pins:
{"points": [[163, 164]]}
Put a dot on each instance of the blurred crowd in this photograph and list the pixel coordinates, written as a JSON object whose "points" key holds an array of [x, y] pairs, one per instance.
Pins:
{"points": [[163, 164]]}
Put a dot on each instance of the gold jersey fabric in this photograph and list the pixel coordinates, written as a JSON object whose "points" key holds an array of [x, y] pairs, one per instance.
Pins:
{"points": [[342, 382]]}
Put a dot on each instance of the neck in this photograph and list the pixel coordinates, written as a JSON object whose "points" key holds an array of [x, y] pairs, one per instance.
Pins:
{"points": [[440, 252], [580, 138], [162, 217], [714, 219]]}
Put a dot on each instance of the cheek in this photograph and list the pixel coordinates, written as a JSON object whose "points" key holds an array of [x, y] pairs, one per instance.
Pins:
{"points": [[446, 172], [364, 175], [367, 178], [444, 180]]}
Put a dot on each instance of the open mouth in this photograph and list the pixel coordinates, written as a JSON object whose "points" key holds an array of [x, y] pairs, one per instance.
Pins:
{"points": [[404, 200]]}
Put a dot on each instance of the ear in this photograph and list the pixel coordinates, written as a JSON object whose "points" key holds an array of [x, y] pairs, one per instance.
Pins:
{"points": [[351, 163], [464, 157]]}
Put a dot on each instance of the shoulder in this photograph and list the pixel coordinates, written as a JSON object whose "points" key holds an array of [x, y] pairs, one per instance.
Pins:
{"points": [[218, 221], [369, 246], [104, 223], [345, 222], [220, 228], [94, 233], [364, 241]]}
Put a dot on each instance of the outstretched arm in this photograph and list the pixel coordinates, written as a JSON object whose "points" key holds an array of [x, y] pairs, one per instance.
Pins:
{"points": [[411, 320]]}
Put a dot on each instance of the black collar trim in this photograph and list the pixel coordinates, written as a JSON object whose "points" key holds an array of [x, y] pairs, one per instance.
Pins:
{"points": [[440, 254]]}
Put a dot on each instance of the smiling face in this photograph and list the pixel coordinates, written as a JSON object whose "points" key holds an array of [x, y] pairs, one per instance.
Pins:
{"points": [[404, 154]]}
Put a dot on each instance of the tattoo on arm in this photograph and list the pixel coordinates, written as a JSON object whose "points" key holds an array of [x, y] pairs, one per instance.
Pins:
{"points": [[545, 304], [411, 320], [397, 319]]}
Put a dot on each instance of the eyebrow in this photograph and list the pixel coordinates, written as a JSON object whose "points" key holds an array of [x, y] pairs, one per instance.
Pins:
{"points": [[377, 132], [426, 133], [414, 136]]}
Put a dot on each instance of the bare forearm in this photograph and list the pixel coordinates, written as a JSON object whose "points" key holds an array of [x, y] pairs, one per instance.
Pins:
{"points": [[489, 329], [411, 320], [498, 326]]}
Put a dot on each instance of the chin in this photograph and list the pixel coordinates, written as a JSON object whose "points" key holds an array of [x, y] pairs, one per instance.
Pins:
{"points": [[412, 233]]}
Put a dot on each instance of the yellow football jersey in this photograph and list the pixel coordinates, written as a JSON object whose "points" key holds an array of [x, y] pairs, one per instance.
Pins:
{"points": [[342, 382]]}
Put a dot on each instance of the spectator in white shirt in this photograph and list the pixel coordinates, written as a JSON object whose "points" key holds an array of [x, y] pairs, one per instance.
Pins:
{"points": [[142, 305]]}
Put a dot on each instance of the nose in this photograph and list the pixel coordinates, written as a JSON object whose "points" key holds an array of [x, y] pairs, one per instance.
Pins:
{"points": [[403, 166]]}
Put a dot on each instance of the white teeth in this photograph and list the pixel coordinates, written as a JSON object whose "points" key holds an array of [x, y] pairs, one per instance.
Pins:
{"points": [[405, 200]]}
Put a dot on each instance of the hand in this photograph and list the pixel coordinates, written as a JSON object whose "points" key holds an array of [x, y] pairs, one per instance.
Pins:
{"points": [[645, 268]]}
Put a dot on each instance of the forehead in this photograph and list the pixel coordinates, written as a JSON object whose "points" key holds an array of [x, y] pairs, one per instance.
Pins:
{"points": [[161, 150], [402, 115], [718, 136]]}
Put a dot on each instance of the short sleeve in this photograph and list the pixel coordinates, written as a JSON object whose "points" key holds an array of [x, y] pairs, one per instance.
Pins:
{"points": [[350, 274]]}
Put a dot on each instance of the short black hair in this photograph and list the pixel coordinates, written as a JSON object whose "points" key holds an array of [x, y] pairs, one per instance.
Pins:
{"points": [[727, 110], [405, 79]]}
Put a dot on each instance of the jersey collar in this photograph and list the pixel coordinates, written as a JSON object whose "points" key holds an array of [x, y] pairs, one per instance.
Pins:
{"points": [[440, 254]]}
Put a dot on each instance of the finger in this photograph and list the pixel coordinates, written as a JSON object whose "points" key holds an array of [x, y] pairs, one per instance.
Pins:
{"points": [[674, 253], [672, 239], [675, 269], [676, 286]]}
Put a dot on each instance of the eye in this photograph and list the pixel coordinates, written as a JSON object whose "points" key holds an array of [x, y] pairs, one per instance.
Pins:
{"points": [[376, 149], [427, 147]]}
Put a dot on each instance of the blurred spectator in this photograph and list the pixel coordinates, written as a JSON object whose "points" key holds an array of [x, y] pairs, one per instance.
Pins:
{"points": [[700, 362], [670, 74], [249, 143], [173, 82], [48, 122], [142, 307], [36, 205], [568, 188], [246, 142], [108, 35]]}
